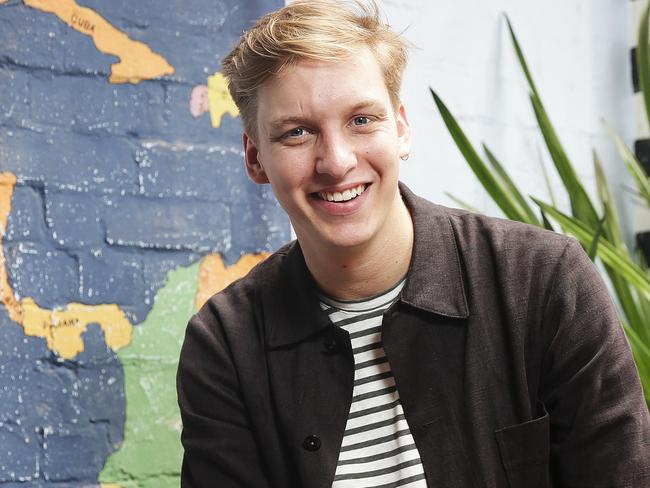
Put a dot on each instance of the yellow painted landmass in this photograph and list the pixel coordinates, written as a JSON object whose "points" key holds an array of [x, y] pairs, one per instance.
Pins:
{"points": [[219, 99], [62, 329], [7, 184], [137, 61], [214, 276]]}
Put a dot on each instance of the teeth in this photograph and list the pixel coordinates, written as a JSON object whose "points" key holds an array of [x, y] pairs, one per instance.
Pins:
{"points": [[344, 196]]}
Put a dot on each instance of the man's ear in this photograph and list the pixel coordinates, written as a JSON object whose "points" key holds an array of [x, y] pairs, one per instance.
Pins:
{"points": [[403, 132], [254, 168]]}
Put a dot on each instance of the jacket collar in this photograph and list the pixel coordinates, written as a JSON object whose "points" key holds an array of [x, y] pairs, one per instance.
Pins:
{"points": [[291, 306], [435, 279], [434, 282]]}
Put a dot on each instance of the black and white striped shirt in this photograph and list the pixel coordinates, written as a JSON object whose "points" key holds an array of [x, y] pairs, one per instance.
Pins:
{"points": [[378, 449]]}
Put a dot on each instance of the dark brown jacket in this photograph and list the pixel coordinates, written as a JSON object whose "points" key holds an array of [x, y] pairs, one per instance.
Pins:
{"points": [[506, 349]]}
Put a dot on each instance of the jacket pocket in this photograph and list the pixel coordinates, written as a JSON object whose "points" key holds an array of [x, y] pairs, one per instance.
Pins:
{"points": [[525, 453]]}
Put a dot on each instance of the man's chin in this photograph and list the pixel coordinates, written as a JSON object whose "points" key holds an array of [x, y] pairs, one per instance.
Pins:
{"points": [[340, 240]]}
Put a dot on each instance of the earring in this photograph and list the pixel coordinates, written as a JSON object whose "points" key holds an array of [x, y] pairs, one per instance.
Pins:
{"points": [[405, 157]]}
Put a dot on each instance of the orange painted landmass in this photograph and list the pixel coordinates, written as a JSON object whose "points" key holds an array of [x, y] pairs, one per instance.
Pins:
{"points": [[61, 328], [214, 276], [137, 61], [7, 184]]}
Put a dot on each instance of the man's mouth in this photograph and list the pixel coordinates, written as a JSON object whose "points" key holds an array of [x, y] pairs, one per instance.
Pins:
{"points": [[342, 196]]}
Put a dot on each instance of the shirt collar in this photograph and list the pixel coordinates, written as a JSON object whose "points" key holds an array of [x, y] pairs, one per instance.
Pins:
{"points": [[434, 282]]}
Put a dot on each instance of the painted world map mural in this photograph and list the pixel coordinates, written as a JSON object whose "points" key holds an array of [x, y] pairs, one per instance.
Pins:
{"points": [[124, 205]]}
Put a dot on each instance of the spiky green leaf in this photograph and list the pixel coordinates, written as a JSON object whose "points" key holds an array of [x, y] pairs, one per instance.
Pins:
{"points": [[493, 186], [611, 256], [612, 230], [581, 205], [511, 187], [633, 165], [547, 180], [522, 59], [593, 247], [462, 203]]}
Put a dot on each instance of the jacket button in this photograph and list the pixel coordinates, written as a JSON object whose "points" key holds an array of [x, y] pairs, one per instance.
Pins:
{"points": [[331, 346], [311, 443]]}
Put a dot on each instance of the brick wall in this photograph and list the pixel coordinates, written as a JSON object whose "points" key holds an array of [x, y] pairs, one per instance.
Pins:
{"points": [[117, 185]]}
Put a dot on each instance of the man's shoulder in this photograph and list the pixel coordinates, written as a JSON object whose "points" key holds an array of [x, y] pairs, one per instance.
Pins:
{"points": [[470, 251], [478, 233], [516, 257], [508, 234], [483, 234]]}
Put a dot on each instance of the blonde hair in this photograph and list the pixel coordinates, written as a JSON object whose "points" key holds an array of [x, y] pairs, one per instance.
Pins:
{"points": [[323, 30]]}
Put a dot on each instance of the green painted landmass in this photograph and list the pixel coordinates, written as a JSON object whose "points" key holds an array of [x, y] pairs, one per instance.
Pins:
{"points": [[151, 454]]}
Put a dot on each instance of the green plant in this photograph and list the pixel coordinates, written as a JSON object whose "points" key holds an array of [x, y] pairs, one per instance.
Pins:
{"points": [[595, 226]]}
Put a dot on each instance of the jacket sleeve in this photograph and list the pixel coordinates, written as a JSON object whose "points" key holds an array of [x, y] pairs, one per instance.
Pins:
{"points": [[600, 426], [220, 447]]}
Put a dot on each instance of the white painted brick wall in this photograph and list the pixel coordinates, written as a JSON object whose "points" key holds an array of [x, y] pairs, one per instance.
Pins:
{"points": [[578, 51]]}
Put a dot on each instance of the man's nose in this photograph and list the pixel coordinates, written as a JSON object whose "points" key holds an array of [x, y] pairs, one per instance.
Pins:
{"points": [[336, 156]]}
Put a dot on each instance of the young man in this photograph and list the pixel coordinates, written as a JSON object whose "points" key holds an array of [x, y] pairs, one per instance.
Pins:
{"points": [[396, 343]]}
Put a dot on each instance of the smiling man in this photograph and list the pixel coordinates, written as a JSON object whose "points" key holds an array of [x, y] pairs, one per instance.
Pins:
{"points": [[329, 139], [396, 342]]}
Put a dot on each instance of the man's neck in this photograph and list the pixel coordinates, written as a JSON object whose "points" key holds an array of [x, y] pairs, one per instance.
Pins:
{"points": [[358, 273]]}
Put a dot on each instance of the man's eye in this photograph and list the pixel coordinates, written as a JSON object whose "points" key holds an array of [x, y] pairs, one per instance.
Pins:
{"points": [[360, 120], [297, 132]]}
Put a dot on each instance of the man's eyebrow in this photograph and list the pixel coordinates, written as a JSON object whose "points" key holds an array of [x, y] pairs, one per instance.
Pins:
{"points": [[282, 122], [367, 104]]}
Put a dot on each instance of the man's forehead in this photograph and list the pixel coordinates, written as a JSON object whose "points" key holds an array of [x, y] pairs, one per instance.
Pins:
{"points": [[361, 58], [350, 83]]}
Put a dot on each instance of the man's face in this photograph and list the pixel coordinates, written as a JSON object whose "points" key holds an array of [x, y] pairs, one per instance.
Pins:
{"points": [[329, 142]]}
